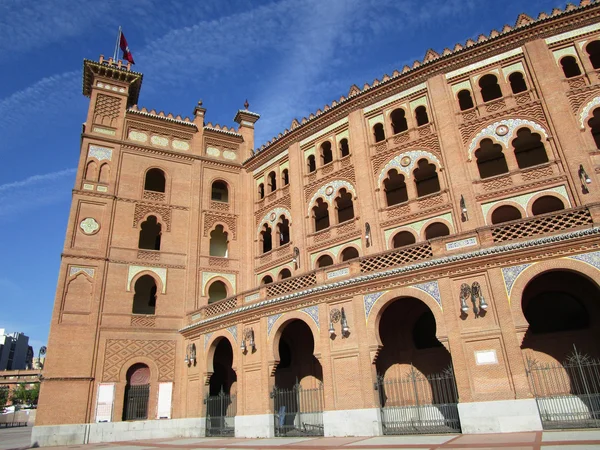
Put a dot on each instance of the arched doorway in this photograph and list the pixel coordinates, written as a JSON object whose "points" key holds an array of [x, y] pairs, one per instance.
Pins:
{"points": [[561, 348], [137, 392], [221, 402], [415, 380], [298, 393]]}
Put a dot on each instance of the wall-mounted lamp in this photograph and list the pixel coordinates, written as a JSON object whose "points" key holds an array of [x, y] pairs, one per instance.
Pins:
{"points": [[463, 209], [476, 295], [296, 258], [248, 335], [336, 316], [368, 234], [465, 292], [190, 354], [584, 178]]}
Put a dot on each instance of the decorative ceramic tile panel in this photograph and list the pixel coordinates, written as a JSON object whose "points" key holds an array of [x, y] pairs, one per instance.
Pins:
{"points": [[273, 215], [330, 190], [100, 153], [207, 276], [138, 136], [586, 111], [211, 151], [503, 131], [405, 163], [160, 272], [207, 337], [271, 321], [252, 297], [338, 273], [369, 300], [313, 312], [228, 154], [593, 259], [431, 288], [159, 140], [180, 145], [74, 270], [89, 225], [461, 244], [233, 330], [510, 275]]}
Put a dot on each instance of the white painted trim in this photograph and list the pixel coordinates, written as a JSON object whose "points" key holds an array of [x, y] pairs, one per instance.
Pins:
{"points": [[353, 422], [272, 161], [572, 34], [485, 62], [500, 416], [255, 426]]}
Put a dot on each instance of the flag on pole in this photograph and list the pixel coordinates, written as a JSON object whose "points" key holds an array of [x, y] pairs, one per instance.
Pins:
{"points": [[125, 48]]}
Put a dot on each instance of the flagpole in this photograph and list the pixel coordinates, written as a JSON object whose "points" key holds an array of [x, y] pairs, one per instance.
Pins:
{"points": [[117, 45]]}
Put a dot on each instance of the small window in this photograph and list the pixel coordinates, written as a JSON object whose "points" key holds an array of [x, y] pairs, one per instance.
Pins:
{"points": [[505, 213], [219, 192], [594, 124], [321, 215], [326, 153], [529, 149], [570, 67], [349, 253], [324, 261], [267, 279], [285, 177], [266, 239], [517, 82], [104, 177], [272, 181], [311, 163], [261, 191], [399, 123], [344, 148], [144, 297], [490, 159], [593, 51], [435, 230], [217, 291], [490, 89], [150, 232], [283, 230], [285, 273], [421, 116], [345, 206], [91, 171], [426, 178], [547, 204], [155, 180], [465, 100], [403, 238], [395, 188], [378, 132], [218, 242]]}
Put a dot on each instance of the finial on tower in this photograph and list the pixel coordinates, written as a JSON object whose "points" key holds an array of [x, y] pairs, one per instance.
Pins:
{"points": [[246, 105]]}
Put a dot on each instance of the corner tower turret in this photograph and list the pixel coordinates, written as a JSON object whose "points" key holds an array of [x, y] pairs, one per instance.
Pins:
{"points": [[247, 119]]}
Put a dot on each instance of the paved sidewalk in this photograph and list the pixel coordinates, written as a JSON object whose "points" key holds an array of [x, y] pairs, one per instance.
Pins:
{"points": [[547, 440]]}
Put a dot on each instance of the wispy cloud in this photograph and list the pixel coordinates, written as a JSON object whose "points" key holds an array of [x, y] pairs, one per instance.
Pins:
{"points": [[35, 191]]}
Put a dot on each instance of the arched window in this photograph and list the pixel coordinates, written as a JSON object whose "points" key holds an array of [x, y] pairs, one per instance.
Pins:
{"points": [[547, 204], [529, 149], [570, 67], [217, 291], [326, 153], [426, 178], [349, 253], [218, 242], [395, 188], [399, 123], [465, 100], [104, 177], [505, 213], [91, 171], [435, 230], [272, 181], [150, 234], [345, 207], [311, 163], [155, 180], [324, 261], [266, 239], [594, 124], [378, 132], [137, 393], [285, 273], [283, 230], [490, 89], [261, 191], [267, 279], [219, 192], [344, 148], [490, 159], [421, 116], [403, 238], [321, 215], [517, 82], [144, 297], [593, 50], [285, 177]]}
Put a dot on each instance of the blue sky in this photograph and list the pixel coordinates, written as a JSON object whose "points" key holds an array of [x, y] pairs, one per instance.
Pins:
{"points": [[287, 57]]}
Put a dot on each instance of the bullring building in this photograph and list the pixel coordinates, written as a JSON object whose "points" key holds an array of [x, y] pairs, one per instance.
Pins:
{"points": [[419, 256]]}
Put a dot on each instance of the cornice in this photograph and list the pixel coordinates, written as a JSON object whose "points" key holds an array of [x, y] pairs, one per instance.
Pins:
{"points": [[156, 151], [151, 203], [161, 116]]}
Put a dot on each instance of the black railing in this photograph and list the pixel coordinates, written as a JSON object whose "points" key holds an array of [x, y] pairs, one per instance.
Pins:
{"points": [[220, 414], [298, 411], [419, 404], [136, 402]]}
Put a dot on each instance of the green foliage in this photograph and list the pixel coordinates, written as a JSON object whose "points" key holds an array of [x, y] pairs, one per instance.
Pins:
{"points": [[3, 396], [23, 396]]}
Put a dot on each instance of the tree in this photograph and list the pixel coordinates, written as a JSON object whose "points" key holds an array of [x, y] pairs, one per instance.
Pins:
{"points": [[3, 397], [23, 396]]}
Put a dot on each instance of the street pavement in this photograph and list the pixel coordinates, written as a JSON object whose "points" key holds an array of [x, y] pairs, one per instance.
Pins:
{"points": [[18, 439]]}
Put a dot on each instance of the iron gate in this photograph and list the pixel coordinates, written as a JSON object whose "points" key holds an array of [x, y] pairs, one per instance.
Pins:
{"points": [[220, 414], [136, 402], [418, 404], [568, 394], [298, 411]]}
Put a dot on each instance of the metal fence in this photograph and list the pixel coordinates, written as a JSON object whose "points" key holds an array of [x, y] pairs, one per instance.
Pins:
{"points": [[567, 394], [298, 411], [220, 414], [136, 402], [419, 404]]}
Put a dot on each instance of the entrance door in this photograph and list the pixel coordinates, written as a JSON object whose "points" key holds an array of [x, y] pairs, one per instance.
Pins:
{"points": [[298, 411], [137, 392], [220, 414]]}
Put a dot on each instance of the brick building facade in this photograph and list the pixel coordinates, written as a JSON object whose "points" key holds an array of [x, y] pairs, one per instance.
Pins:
{"points": [[435, 231]]}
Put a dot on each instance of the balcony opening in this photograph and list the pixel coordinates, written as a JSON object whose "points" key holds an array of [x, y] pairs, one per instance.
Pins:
{"points": [[344, 148], [285, 273], [465, 100], [155, 180], [321, 215], [399, 123], [349, 253], [283, 230], [395, 188], [403, 238], [490, 89], [217, 291], [324, 261], [311, 163], [570, 67], [345, 206], [547, 204], [593, 51], [529, 149], [517, 82], [490, 159], [272, 181], [150, 233], [436, 230], [219, 192], [594, 124], [378, 132], [426, 178], [326, 153], [218, 242], [266, 238], [421, 116], [144, 297], [505, 213]]}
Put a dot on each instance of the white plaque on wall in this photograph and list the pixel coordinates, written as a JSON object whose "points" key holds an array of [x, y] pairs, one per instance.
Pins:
{"points": [[104, 403], [486, 357], [165, 393]]}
